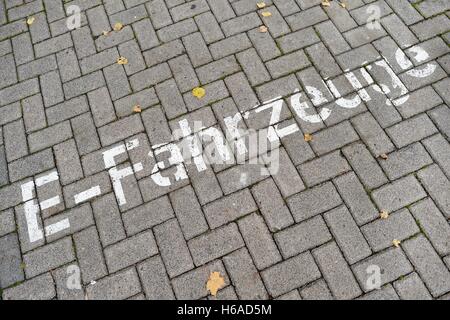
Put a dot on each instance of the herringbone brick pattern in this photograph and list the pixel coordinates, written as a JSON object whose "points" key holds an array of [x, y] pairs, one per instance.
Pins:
{"points": [[363, 128]]}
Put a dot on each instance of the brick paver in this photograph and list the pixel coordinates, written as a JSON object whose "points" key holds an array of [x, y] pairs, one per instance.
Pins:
{"points": [[108, 181]]}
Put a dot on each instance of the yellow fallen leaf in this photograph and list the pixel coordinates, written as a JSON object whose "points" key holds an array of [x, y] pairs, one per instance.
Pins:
{"points": [[308, 137], [198, 92], [215, 282], [396, 243], [266, 14], [30, 20], [263, 29], [326, 3], [384, 214], [261, 5], [122, 60], [383, 156], [137, 109], [118, 26]]}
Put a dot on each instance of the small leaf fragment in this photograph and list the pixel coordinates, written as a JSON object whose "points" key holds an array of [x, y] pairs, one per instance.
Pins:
{"points": [[342, 4], [105, 33], [118, 26], [137, 109], [266, 14], [261, 5], [384, 214], [326, 3], [198, 92], [122, 60], [215, 282], [263, 29], [30, 20], [383, 156], [396, 243], [308, 137]]}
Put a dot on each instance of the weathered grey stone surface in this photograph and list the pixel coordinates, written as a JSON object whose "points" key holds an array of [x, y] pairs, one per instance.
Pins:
{"points": [[324, 123]]}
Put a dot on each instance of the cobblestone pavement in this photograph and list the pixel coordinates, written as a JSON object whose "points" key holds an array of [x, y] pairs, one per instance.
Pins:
{"points": [[93, 187]]}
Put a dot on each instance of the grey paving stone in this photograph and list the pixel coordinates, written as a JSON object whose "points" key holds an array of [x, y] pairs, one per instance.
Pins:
{"points": [[323, 168], [366, 168], [241, 24], [188, 212], [184, 73], [121, 129], [7, 222], [428, 265], [217, 70], [215, 244], [15, 140], [271, 204], [419, 101], [19, 91], [154, 279], [245, 276], [118, 286], [385, 293], [287, 64], [412, 288], [313, 201], [264, 44], [392, 263], [316, 291], [398, 194], [347, 235], [292, 295], [83, 85], [241, 91], [49, 136], [275, 22], [356, 198], [437, 185], [130, 251], [3, 167], [229, 208], [11, 261], [441, 117], [30, 165], [108, 220], [381, 233], [340, 17], [290, 274], [332, 37], [61, 277], [303, 236], [177, 30], [405, 161], [411, 130], [433, 225], [33, 113], [39, 288], [297, 40], [79, 218], [90, 255], [439, 148], [334, 138], [171, 99], [431, 27], [159, 14], [48, 257], [323, 61], [259, 241], [192, 284], [306, 18], [336, 272], [173, 248]]}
